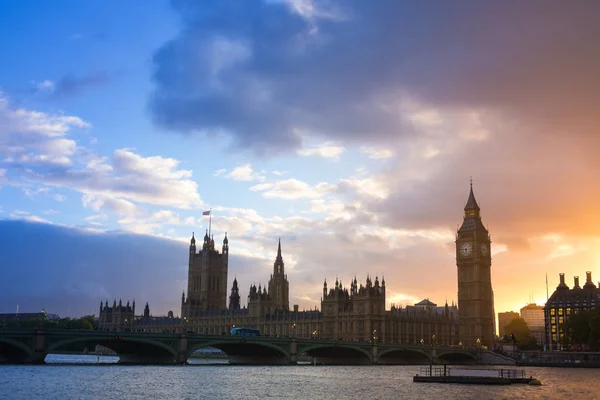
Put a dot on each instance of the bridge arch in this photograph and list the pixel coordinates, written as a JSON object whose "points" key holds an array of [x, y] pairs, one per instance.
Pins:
{"points": [[337, 353], [403, 356], [130, 349], [14, 350], [457, 357], [246, 347]]}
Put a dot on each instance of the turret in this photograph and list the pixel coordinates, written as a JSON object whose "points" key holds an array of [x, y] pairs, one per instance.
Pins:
{"points": [[206, 244], [324, 289], [182, 297], [192, 245], [234, 298], [225, 244], [147, 311]]}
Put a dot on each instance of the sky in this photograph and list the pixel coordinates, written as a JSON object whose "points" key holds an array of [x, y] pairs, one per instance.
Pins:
{"points": [[349, 129]]}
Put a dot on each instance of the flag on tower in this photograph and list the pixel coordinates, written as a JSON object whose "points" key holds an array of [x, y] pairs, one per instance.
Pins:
{"points": [[206, 212]]}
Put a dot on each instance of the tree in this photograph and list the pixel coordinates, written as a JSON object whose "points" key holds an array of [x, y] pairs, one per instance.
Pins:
{"points": [[519, 328], [583, 328]]}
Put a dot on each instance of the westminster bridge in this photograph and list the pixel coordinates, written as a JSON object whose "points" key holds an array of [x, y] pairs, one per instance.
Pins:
{"points": [[31, 346]]}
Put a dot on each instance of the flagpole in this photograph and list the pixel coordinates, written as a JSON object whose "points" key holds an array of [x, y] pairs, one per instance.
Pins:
{"points": [[209, 221], [547, 317]]}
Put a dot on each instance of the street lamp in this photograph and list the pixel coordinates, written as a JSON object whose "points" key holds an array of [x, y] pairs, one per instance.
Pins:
{"points": [[478, 343], [374, 335], [433, 340], [422, 341]]}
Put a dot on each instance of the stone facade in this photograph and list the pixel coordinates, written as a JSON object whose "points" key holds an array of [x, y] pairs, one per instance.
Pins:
{"points": [[357, 313], [207, 278], [475, 295], [118, 317]]}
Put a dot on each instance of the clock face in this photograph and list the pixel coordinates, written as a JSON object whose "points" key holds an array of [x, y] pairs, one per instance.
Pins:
{"points": [[466, 249], [484, 249]]}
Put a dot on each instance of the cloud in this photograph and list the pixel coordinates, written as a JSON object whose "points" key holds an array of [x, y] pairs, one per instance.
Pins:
{"points": [[291, 189], [377, 152], [75, 268], [302, 74], [36, 138], [37, 148], [115, 205], [245, 173], [45, 85], [71, 84], [325, 150]]}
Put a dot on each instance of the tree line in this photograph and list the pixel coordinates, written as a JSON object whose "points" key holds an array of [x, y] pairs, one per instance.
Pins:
{"points": [[84, 323]]}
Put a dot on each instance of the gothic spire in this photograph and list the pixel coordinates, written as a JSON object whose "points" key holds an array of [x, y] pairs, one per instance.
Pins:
{"points": [[279, 250], [278, 264], [472, 203]]}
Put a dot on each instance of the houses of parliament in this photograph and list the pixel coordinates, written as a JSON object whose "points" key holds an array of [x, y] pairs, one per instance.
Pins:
{"points": [[357, 313]]}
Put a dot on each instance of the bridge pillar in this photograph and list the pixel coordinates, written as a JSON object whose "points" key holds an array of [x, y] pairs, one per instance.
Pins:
{"points": [[183, 350], [39, 349], [293, 351], [433, 356], [374, 354]]}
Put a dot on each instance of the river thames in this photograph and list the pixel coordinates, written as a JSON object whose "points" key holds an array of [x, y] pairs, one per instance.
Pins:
{"points": [[64, 379]]}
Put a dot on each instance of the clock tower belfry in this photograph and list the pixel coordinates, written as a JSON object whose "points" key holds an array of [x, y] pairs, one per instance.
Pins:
{"points": [[474, 264]]}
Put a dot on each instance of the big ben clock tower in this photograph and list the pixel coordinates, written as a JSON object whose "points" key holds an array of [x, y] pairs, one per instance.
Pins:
{"points": [[475, 295]]}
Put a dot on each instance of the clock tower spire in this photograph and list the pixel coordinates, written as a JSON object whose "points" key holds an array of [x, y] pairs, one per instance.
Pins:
{"points": [[475, 294]]}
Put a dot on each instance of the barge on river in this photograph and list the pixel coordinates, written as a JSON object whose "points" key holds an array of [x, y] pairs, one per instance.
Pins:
{"points": [[473, 376]]}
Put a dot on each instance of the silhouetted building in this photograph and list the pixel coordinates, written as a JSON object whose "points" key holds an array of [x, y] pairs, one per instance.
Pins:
{"points": [[118, 317], [207, 278], [505, 318], [474, 264], [534, 316], [357, 313], [564, 302]]}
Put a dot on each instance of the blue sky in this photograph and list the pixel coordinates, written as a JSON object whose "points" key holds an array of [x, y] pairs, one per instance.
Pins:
{"points": [[350, 129]]}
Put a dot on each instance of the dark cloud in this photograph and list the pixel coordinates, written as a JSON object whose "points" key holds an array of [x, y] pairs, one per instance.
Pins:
{"points": [[264, 74], [57, 268], [71, 84]]}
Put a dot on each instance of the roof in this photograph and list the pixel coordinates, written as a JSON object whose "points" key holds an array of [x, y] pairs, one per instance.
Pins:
{"points": [[426, 302], [472, 203]]}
